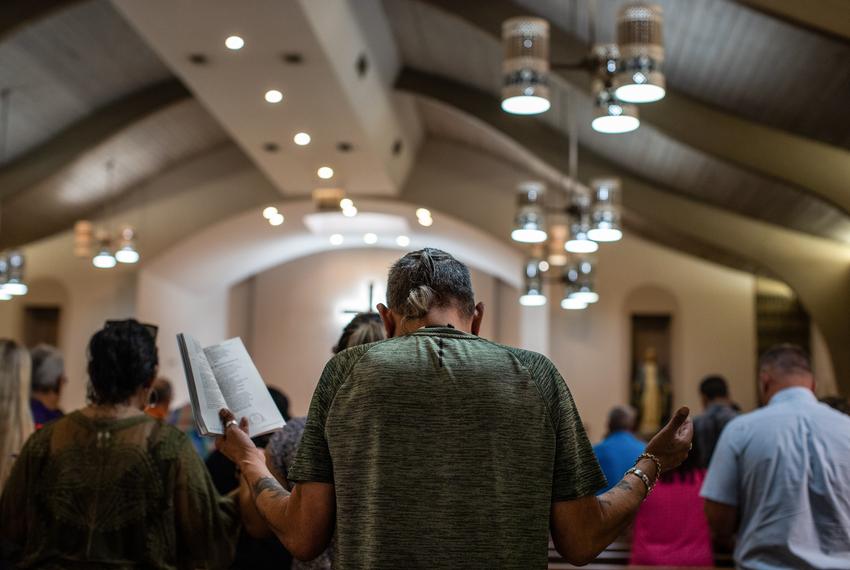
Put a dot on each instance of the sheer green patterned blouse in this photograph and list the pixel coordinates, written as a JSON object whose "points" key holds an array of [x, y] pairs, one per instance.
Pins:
{"points": [[128, 493]]}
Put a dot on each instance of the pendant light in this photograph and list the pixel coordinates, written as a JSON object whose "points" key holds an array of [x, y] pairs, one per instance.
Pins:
{"points": [[640, 41], [533, 295], [525, 66], [11, 263], [580, 282], [611, 116], [127, 252], [530, 221], [606, 211]]}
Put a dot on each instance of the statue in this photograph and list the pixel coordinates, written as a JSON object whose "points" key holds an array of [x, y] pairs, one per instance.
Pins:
{"points": [[651, 394]]}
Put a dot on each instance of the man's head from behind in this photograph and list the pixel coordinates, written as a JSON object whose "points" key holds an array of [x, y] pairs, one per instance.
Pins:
{"points": [[784, 366], [48, 373], [621, 418], [713, 389], [429, 287]]}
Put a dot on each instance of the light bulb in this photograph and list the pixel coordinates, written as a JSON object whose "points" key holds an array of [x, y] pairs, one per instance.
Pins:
{"points": [[104, 260], [605, 234], [336, 239], [402, 241], [325, 172], [15, 288], [427, 222], [581, 246], [423, 213], [525, 105], [615, 124], [349, 212], [346, 203], [127, 255], [269, 211], [301, 139], [586, 297], [234, 43], [573, 304], [274, 96], [276, 219], [370, 238], [640, 92], [532, 300], [523, 235]]}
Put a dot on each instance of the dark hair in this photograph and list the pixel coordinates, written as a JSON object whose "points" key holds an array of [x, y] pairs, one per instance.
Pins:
{"points": [[429, 278], [786, 358], [162, 390], [621, 418], [713, 387], [122, 359], [363, 328], [838, 403]]}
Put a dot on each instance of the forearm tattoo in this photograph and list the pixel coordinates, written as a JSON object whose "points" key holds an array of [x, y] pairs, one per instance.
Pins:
{"points": [[269, 484], [624, 485]]}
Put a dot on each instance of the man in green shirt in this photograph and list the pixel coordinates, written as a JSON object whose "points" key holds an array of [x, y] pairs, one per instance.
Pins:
{"points": [[437, 448]]}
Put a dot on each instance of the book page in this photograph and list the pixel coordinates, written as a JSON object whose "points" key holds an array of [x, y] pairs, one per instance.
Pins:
{"points": [[242, 387], [205, 394]]}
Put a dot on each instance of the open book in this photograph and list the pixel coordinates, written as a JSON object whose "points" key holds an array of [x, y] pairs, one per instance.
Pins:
{"points": [[224, 376]]}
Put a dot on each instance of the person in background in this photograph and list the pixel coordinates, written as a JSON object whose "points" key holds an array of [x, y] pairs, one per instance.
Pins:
{"points": [[109, 486], [780, 475], [413, 458], [620, 448], [670, 528], [160, 400], [183, 419], [280, 452], [16, 423], [719, 410], [48, 379]]}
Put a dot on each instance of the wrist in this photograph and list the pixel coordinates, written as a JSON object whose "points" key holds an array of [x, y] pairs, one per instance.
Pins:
{"points": [[649, 467], [252, 458]]}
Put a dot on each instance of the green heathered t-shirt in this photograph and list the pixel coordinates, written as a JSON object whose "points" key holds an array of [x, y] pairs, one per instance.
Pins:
{"points": [[446, 451]]}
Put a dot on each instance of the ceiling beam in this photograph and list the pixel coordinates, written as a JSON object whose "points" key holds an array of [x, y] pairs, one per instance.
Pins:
{"points": [[817, 269], [17, 15], [809, 166], [828, 17], [50, 157]]}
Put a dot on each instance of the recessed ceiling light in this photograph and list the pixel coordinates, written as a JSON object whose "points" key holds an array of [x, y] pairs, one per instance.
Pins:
{"points": [[336, 239], [325, 172], [269, 211], [370, 238], [402, 241], [234, 42], [346, 203], [301, 139], [276, 219], [274, 96]]}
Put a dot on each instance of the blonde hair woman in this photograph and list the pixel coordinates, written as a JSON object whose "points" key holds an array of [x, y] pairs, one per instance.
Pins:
{"points": [[15, 416]]}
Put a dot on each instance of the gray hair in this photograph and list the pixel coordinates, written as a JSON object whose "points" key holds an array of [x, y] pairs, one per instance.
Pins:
{"points": [[427, 279], [48, 368], [786, 359], [621, 418]]}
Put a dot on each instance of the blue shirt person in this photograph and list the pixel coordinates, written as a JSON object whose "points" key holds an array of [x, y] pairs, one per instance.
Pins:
{"points": [[620, 449], [785, 470]]}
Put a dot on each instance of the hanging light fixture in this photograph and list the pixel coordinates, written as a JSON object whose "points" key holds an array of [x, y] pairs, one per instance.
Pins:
{"points": [[12, 271], [606, 211], [579, 278], [611, 116], [525, 66], [530, 222], [579, 222], [104, 259], [639, 38], [127, 252], [14, 284], [533, 295]]}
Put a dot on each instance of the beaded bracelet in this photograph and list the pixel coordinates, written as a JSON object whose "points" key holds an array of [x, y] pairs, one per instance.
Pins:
{"points": [[654, 459]]}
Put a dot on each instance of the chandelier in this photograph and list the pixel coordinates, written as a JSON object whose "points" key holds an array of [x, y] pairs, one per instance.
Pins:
{"points": [[11, 262], [626, 73]]}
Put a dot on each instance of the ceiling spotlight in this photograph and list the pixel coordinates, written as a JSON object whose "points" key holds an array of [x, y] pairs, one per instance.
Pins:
{"points": [[349, 212], [543, 265], [573, 304], [423, 213], [370, 238], [301, 139], [276, 219], [336, 239], [525, 67], [530, 222], [639, 36], [346, 203], [427, 222], [325, 172], [269, 211], [234, 43], [402, 241], [274, 96]]}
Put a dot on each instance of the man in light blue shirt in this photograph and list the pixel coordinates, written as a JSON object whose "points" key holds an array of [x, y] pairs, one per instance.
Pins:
{"points": [[783, 471], [620, 448]]}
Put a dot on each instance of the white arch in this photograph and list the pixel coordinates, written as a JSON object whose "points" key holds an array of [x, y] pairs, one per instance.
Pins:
{"points": [[185, 289]]}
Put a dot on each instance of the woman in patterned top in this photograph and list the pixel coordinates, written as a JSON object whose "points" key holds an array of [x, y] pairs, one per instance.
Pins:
{"points": [[108, 485]]}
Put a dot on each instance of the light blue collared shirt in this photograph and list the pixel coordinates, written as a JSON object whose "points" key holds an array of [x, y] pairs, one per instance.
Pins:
{"points": [[787, 469]]}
